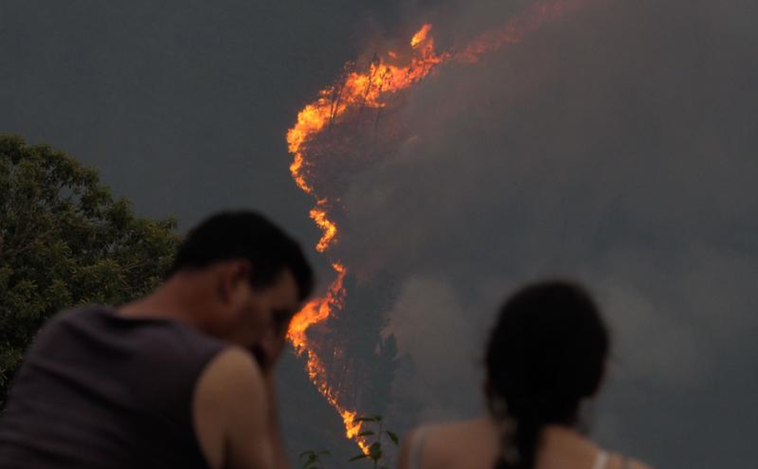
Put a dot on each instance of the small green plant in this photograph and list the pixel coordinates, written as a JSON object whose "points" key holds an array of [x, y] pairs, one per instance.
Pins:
{"points": [[373, 436], [312, 459]]}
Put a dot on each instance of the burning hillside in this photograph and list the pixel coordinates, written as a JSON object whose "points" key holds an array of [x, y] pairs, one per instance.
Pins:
{"points": [[358, 100]]}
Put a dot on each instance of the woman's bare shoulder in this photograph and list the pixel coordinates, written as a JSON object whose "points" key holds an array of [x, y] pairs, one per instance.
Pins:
{"points": [[622, 462], [446, 444], [634, 464], [478, 427]]}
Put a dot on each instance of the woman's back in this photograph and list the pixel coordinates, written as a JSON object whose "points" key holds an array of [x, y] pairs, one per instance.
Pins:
{"points": [[475, 444]]}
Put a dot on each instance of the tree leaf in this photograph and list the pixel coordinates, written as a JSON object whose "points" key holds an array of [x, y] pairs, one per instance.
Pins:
{"points": [[366, 433], [358, 457], [393, 437]]}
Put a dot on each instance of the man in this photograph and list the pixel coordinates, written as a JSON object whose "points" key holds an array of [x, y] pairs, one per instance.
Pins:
{"points": [[181, 378]]}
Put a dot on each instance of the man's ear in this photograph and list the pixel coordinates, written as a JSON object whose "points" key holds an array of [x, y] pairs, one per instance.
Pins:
{"points": [[241, 270], [232, 275]]}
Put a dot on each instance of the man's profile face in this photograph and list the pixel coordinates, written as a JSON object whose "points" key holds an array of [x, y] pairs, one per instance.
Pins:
{"points": [[260, 317]]}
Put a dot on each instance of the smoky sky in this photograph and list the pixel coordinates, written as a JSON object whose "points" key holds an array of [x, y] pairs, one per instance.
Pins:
{"points": [[182, 106], [617, 147]]}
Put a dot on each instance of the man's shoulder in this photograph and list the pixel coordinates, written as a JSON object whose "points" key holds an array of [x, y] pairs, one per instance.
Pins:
{"points": [[159, 342], [72, 315], [63, 320]]}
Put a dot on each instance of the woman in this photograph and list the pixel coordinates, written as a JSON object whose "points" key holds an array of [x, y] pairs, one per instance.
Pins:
{"points": [[547, 354]]}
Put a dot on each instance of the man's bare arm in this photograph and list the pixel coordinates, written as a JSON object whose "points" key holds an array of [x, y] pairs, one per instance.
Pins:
{"points": [[231, 412], [280, 454]]}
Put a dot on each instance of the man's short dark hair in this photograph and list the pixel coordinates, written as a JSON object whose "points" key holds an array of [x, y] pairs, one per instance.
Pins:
{"points": [[245, 235]]}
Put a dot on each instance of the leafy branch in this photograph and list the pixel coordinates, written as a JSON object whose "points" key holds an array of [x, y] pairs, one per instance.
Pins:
{"points": [[376, 432], [312, 459]]}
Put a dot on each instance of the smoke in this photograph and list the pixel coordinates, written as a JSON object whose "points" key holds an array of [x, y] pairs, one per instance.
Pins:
{"points": [[430, 325], [616, 147]]}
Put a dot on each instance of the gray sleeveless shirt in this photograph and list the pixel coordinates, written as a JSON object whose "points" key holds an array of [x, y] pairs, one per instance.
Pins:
{"points": [[98, 390]]}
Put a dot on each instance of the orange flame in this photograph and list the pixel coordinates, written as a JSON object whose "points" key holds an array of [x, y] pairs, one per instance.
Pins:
{"points": [[372, 87], [317, 373], [329, 228], [421, 35], [317, 310], [366, 88]]}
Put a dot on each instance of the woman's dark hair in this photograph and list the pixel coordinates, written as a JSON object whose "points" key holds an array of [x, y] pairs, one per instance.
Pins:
{"points": [[546, 353], [245, 235]]}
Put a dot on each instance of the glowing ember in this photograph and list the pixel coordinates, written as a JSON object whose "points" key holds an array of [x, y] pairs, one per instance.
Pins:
{"points": [[373, 87]]}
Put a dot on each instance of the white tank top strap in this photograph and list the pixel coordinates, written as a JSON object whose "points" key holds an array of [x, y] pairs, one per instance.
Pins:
{"points": [[417, 444], [601, 460]]}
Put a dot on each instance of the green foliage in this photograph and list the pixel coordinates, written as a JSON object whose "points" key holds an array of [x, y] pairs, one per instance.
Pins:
{"points": [[64, 241], [374, 428], [312, 459], [376, 453]]}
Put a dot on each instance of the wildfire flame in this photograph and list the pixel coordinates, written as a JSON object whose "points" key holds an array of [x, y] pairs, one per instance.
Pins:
{"points": [[421, 35], [316, 311], [319, 216], [372, 87], [364, 88]]}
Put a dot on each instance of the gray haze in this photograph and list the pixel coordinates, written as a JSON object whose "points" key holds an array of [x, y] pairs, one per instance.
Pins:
{"points": [[181, 105], [618, 147]]}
